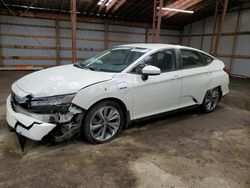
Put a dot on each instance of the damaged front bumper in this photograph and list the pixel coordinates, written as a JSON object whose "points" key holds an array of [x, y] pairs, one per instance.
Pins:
{"points": [[25, 125], [54, 127]]}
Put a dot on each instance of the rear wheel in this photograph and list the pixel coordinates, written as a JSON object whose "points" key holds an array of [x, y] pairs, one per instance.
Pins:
{"points": [[103, 122], [211, 100]]}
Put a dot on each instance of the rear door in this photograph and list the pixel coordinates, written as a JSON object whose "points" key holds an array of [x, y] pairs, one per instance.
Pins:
{"points": [[196, 77]]}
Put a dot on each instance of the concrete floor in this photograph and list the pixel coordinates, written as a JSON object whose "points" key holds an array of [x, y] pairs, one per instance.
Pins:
{"points": [[188, 149]]}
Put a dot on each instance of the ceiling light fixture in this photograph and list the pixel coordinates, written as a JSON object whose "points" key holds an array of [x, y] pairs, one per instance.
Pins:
{"points": [[177, 10], [100, 2]]}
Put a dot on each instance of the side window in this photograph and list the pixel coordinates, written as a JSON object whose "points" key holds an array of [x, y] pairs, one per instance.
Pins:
{"points": [[207, 59], [191, 59], [164, 60]]}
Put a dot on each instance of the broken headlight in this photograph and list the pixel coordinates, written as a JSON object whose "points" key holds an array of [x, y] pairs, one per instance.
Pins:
{"points": [[49, 105]]}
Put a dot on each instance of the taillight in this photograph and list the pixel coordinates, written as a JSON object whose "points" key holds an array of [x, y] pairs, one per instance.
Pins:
{"points": [[227, 70]]}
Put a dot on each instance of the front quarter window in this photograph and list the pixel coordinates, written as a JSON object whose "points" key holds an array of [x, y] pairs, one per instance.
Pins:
{"points": [[114, 60]]}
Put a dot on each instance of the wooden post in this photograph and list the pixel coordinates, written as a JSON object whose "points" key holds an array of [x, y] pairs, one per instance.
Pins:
{"points": [[157, 20], [106, 35], [238, 23], [220, 25], [73, 23], [202, 35], [214, 26], [1, 59], [58, 46]]}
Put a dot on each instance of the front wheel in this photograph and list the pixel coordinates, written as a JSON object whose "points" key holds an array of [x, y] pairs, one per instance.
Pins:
{"points": [[211, 100], [103, 122]]}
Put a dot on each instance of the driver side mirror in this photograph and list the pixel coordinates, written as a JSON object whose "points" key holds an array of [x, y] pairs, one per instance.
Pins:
{"points": [[150, 70]]}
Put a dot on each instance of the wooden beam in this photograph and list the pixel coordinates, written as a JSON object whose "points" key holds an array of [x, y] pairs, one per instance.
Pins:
{"points": [[49, 48], [100, 30], [78, 38], [237, 28], [34, 2], [125, 11], [1, 60], [157, 14], [10, 11], [58, 41], [233, 56], [202, 35], [73, 24], [184, 4], [214, 26], [118, 5], [109, 6], [222, 34], [220, 26], [65, 27], [85, 19], [38, 58]]}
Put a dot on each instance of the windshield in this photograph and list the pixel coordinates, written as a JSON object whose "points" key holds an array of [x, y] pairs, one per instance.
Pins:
{"points": [[114, 60]]}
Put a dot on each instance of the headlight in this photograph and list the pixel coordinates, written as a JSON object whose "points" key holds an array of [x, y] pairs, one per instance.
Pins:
{"points": [[53, 104]]}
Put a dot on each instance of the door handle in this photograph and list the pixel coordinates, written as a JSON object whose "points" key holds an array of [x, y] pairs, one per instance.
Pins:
{"points": [[175, 77], [209, 72]]}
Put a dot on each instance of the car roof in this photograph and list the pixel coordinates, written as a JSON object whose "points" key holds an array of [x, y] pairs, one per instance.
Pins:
{"points": [[156, 46], [148, 45], [152, 45]]}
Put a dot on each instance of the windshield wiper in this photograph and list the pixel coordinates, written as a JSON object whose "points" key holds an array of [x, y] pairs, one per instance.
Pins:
{"points": [[79, 65], [90, 68], [84, 66]]}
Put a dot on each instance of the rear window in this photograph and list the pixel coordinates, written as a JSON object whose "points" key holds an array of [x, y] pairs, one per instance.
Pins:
{"points": [[191, 59], [207, 59]]}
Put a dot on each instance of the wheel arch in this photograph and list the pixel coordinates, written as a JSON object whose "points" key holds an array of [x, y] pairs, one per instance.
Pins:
{"points": [[126, 111], [220, 91]]}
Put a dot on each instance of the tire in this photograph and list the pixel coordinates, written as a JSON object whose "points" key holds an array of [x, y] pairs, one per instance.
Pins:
{"points": [[103, 122], [211, 100], [10, 128]]}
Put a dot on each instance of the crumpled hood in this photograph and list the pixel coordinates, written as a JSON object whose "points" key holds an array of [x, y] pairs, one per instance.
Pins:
{"points": [[59, 80]]}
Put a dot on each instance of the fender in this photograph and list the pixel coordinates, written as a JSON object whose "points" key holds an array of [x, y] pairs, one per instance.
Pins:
{"points": [[219, 77], [121, 90]]}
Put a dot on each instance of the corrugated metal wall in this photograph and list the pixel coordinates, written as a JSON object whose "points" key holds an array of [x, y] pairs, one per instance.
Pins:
{"points": [[24, 32], [32, 41], [199, 35]]}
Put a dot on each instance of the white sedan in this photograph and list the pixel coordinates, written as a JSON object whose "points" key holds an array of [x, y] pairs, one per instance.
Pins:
{"points": [[99, 96]]}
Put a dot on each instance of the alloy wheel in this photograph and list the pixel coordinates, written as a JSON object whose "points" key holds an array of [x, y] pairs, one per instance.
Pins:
{"points": [[105, 123], [212, 99]]}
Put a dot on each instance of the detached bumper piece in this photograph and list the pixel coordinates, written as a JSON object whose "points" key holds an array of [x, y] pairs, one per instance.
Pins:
{"points": [[22, 140]]}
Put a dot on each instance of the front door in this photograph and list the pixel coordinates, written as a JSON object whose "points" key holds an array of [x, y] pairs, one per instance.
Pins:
{"points": [[158, 93]]}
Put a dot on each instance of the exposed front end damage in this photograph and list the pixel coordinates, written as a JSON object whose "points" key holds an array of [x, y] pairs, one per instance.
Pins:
{"points": [[49, 119], [67, 125]]}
